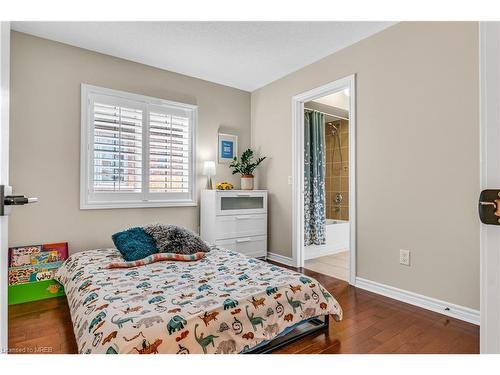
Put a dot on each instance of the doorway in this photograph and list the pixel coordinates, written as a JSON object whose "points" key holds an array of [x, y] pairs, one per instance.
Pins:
{"points": [[331, 249]]}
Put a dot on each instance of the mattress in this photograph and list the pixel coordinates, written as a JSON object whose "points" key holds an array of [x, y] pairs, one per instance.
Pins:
{"points": [[223, 303]]}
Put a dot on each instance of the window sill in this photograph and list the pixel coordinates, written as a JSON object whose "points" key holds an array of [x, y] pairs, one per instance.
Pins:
{"points": [[118, 205]]}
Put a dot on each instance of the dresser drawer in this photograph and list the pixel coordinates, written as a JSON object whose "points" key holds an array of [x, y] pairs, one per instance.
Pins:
{"points": [[240, 226], [253, 246], [241, 203]]}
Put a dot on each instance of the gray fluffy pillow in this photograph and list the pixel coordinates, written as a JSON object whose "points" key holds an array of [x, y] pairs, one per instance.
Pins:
{"points": [[175, 239]]}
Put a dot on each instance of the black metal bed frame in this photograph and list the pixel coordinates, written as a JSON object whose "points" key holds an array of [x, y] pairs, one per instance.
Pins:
{"points": [[279, 342]]}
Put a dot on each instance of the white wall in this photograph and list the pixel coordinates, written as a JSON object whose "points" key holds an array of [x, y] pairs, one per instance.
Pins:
{"points": [[417, 155], [45, 138]]}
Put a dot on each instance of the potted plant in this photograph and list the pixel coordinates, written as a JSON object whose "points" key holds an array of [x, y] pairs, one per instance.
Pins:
{"points": [[246, 166]]}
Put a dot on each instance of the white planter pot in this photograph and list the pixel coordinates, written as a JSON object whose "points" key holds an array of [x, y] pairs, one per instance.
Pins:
{"points": [[247, 182]]}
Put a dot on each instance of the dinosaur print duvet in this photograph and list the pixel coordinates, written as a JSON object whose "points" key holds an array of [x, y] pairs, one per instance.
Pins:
{"points": [[223, 303]]}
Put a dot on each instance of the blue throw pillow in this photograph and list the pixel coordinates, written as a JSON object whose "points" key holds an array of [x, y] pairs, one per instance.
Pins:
{"points": [[134, 244]]}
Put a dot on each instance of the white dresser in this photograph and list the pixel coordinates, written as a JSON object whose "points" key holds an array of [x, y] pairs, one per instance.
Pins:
{"points": [[236, 220]]}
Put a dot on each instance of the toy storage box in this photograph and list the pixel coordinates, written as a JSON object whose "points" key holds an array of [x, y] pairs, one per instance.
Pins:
{"points": [[31, 272], [21, 293]]}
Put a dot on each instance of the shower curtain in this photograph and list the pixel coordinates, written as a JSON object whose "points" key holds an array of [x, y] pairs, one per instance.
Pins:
{"points": [[314, 178]]}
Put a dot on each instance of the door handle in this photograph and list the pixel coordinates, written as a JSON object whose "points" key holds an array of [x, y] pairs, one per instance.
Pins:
{"points": [[18, 200], [488, 204], [489, 207], [7, 200]]}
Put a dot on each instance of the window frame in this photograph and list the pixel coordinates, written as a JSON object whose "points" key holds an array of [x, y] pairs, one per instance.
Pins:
{"points": [[91, 200]]}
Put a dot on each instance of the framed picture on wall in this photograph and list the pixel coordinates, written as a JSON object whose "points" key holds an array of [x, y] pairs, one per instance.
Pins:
{"points": [[227, 148]]}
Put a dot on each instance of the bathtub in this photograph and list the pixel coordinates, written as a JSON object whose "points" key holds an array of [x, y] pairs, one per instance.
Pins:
{"points": [[337, 240]]}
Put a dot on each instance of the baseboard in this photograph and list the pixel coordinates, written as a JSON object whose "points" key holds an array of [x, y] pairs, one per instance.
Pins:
{"points": [[450, 309], [281, 259]]}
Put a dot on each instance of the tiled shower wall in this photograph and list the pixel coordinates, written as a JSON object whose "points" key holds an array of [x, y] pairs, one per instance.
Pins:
{"points": [[337, 172]]}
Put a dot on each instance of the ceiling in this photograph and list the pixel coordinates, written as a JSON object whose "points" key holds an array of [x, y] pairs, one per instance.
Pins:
{"points": [[244, 55], [338, 100]]}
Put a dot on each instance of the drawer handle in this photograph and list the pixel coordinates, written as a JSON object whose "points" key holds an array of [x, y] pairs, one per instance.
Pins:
{"points": [[243, 240], [243, 195], [244, 217]]}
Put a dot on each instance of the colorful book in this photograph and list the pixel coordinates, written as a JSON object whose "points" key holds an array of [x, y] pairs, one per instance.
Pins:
{"points": [[38, 254]]}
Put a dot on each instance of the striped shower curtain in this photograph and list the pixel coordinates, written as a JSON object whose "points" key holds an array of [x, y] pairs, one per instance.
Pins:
{"points": [[314, 178]]}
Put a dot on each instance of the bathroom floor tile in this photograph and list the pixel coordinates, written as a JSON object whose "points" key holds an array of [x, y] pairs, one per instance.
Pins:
{"points": [[335, 265]]}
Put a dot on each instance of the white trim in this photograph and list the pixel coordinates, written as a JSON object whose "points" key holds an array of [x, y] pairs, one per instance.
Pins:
{"points": [[143, 199], [489, 98], [281, 259], [446, 308], [134, 204], [4, 175], [298, 168], [136, 97]]}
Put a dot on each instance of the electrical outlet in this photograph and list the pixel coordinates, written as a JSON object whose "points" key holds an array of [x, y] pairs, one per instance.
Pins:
{"points": [[404, 257]]}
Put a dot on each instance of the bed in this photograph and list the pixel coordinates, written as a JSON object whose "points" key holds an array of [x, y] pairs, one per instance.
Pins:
{"points": [[223, 303]]}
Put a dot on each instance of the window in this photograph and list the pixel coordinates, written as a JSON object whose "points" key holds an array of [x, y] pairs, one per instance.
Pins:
{"points": [[137, 151]]}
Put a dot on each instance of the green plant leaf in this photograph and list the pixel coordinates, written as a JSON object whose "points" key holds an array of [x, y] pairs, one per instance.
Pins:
{"points": [[245, 165]]}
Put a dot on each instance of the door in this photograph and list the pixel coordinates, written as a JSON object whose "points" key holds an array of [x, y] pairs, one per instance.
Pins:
{"points": [[490, 179], [4, 171]]}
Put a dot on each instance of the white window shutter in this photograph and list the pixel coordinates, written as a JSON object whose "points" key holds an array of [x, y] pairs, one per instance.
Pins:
{"points": [[137, 151], [169, 166], [117, 149]]}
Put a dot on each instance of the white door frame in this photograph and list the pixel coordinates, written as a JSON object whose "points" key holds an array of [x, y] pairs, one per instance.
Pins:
{"points": [[4, 173], [489, 51], [298, 167]]}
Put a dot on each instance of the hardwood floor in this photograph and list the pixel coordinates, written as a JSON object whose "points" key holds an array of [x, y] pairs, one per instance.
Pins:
{"points": [[371, 324], [41, 327]]}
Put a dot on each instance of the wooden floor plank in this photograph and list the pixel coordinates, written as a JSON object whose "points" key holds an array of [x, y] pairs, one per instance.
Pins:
{"points": [[372, 324]]}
